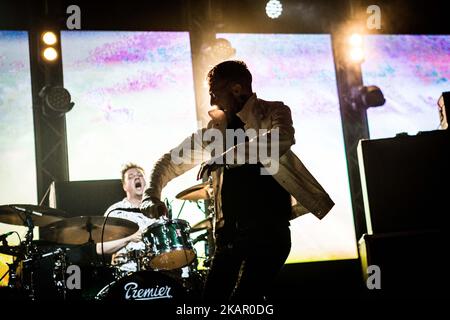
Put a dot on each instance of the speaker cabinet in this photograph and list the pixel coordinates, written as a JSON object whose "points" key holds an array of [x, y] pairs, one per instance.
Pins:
{"points": [[405, 182], [411, 264]]}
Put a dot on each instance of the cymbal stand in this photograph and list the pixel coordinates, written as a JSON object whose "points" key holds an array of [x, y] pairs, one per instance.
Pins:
{"points": [[30, 254], [91, 244], [59, 271], [212, 213]]}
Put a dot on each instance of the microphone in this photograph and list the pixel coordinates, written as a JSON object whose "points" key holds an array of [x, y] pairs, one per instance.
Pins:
{"points": [[6, 235]]}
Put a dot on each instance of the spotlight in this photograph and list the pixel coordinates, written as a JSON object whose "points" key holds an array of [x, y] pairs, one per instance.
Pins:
{"points": [[355, 40], [356, 49], [357, 55], [48, 49], [368, 96], [49, 38], [218, 50], [222, 48], [274, 8], [50, 54], [56, 101]]}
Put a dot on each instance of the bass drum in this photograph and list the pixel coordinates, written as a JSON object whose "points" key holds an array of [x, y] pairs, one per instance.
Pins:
{"points": [[149, 286]]}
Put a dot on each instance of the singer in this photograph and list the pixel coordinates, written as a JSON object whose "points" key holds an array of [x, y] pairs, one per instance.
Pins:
{"points": [[252, 209]]}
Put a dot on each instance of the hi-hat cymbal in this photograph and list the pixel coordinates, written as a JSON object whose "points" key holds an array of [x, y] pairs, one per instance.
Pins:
{"points": [[40, 215], [77, 230], [202, 225], [194, 193]]}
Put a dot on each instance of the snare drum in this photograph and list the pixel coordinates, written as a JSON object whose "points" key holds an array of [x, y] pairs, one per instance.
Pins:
{"points": [[168, 245]]}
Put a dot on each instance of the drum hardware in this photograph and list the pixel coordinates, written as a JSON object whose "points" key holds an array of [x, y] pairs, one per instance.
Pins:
{"points": [[168, 245], [17, 214], [95, 277], [203, 191], [212, 209], [87, 229], [203, 224], [28, 216], [169, 237], [137, 256], [12, 267], [202, 237], [148, 286], [59, 270], [195, 193]]}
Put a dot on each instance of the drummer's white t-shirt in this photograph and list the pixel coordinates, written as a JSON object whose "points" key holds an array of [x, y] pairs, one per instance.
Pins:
{"points": [[137, 217]]}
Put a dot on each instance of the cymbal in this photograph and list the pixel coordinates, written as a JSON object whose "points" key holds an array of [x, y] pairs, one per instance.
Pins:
{"points": [[76, 230], [40, 215], [202, 225], [194, 193]]}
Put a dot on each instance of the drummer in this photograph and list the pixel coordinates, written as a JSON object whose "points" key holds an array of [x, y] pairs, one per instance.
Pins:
{"points": [[123, 250]]}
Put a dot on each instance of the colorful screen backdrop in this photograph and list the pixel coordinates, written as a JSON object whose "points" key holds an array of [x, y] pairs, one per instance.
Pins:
{"points": [[134, 100], [17, 157], [412, 71], [299, 70]]}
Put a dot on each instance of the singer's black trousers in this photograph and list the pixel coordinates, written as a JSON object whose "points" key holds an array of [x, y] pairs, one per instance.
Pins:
{"points": [[244, 266]]}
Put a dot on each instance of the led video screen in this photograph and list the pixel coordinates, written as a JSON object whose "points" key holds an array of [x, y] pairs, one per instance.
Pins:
{"points": [[412, 71], [299, 70], [17, 155]]}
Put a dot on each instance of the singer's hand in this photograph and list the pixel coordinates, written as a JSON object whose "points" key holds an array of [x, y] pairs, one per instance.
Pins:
{"points": [[153, 208]]}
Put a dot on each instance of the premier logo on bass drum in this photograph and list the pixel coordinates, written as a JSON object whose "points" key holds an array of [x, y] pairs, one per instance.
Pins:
{"points": [[132, 292]]}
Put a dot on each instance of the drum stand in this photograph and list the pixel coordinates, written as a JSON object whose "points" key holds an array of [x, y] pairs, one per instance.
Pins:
{"points": [[12, 267], [211, 208], [26, 254], [29, 255]]}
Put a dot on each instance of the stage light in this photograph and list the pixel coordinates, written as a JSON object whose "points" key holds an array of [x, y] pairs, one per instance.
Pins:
{"points": [[356, 47], [368, 96], [357, 55], [50, 54], [49, 38], [222, 48], [56, 101], [356, 40], [48, 47], [218, 50], [274, 8]]}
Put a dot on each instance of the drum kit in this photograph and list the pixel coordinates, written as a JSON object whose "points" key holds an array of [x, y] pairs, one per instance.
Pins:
{"points": [[167, 268]]}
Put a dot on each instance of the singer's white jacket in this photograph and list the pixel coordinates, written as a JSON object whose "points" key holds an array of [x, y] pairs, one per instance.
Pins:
{"points": [[307, 194]]}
